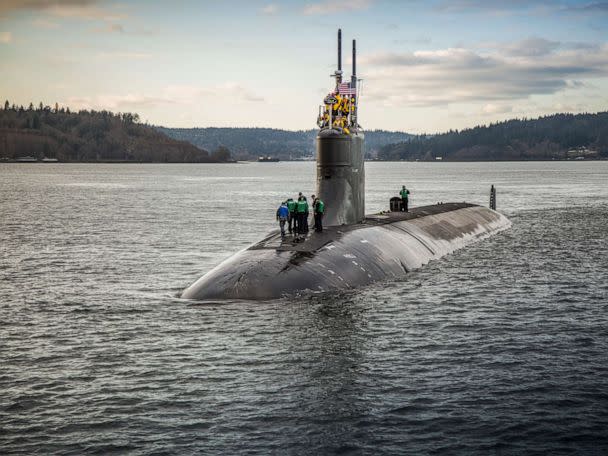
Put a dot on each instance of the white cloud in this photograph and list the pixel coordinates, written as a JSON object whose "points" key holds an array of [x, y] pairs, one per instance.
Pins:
{"points": [[115, 102], [270, 9], [88, 12], [76, 9], [336, 6], [455, 75], [125, 55], [170, 95], [532, 47], [228, 90], [496, 6], [45, 24], [492, 108], [6, 37], [538, 7], [110, 28]]}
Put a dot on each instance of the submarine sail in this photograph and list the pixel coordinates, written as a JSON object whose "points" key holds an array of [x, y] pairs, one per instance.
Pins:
{"points": [[341, 150]]}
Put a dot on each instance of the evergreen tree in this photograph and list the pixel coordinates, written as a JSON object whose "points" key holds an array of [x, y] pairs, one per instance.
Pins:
{"points": [[221, 154], [89, 135], [46, 150]]}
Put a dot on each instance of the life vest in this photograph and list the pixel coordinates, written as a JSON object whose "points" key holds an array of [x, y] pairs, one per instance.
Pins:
{"points": [[302, 207], [346, 108], [320, 207], [340, 122], [404, 193], [291, 205], [336, 105]]}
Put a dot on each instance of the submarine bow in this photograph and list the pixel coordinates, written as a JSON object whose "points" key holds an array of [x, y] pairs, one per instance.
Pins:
{"points": [[342, 258]]}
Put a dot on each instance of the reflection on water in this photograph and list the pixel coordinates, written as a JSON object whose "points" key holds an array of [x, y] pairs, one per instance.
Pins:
{"points": [[332, 333]]}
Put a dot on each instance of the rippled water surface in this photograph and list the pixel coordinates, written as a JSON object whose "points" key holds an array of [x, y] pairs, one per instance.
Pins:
{"points": [[501, 348]]}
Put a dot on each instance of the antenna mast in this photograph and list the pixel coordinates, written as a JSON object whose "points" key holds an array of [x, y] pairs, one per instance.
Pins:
{"points": [[338, 73], [353, 85]]}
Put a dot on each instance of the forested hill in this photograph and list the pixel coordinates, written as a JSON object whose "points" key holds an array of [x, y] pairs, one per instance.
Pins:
{"points": [[555, 137], [45, 132], [250, 143]]}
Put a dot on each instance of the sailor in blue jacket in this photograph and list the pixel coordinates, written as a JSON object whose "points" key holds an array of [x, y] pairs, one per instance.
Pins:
{"points": [[283, 216]]}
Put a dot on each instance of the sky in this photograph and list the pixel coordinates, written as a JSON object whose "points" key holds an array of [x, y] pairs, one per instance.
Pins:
{"points": [[426, 66]]}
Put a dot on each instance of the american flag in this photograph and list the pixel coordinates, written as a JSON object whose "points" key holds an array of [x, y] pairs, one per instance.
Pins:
{"points": [[344, 88]]}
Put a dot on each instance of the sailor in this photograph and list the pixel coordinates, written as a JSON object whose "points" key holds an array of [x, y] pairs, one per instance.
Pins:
{"points": [[283, 216], [306, 215], [336, 106], [302, 214], [293, 223], [318, 210], [405, 193]]}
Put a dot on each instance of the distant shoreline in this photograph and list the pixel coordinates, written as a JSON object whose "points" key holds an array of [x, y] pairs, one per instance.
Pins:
{"points": [[131, 162], [121, 162]]}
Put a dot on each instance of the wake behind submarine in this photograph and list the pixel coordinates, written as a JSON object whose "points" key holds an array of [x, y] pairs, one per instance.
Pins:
{"points": [[354, 249]]}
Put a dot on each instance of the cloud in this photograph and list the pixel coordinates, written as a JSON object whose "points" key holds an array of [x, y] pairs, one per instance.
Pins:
{"points": [[115, 28], [229, 90], [125, 55], [492, 108], [416, 40], [6, 37], [115, 102], [532, 47], [593, 7], [170, 95], [77, 9], [89, 12], [336, 6], [536, 47], [457, 75], [448, 57], [45, 24], [491, 6], [501, 7], [110, 28], [270, 9]]}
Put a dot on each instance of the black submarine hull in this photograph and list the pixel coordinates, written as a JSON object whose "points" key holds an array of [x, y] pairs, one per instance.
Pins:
{"points": [[384, 246]]}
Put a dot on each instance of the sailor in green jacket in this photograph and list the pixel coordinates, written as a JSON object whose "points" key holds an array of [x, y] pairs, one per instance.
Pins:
{"points": [[293, 221], [405, 193], [302, 213], [318, 208]]}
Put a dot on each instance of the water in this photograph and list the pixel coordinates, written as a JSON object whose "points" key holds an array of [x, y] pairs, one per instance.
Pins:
{"points": [[501, 348]]}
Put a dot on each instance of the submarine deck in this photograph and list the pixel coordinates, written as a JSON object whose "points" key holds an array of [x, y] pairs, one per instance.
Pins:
{"points": [[314, 241]]}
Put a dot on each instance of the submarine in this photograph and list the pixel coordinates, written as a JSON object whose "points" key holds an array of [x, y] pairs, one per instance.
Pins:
{"points": [[353, 250]]}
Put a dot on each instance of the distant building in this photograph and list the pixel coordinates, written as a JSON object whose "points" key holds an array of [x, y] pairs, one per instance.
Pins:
{"points": [[581, 153]]}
